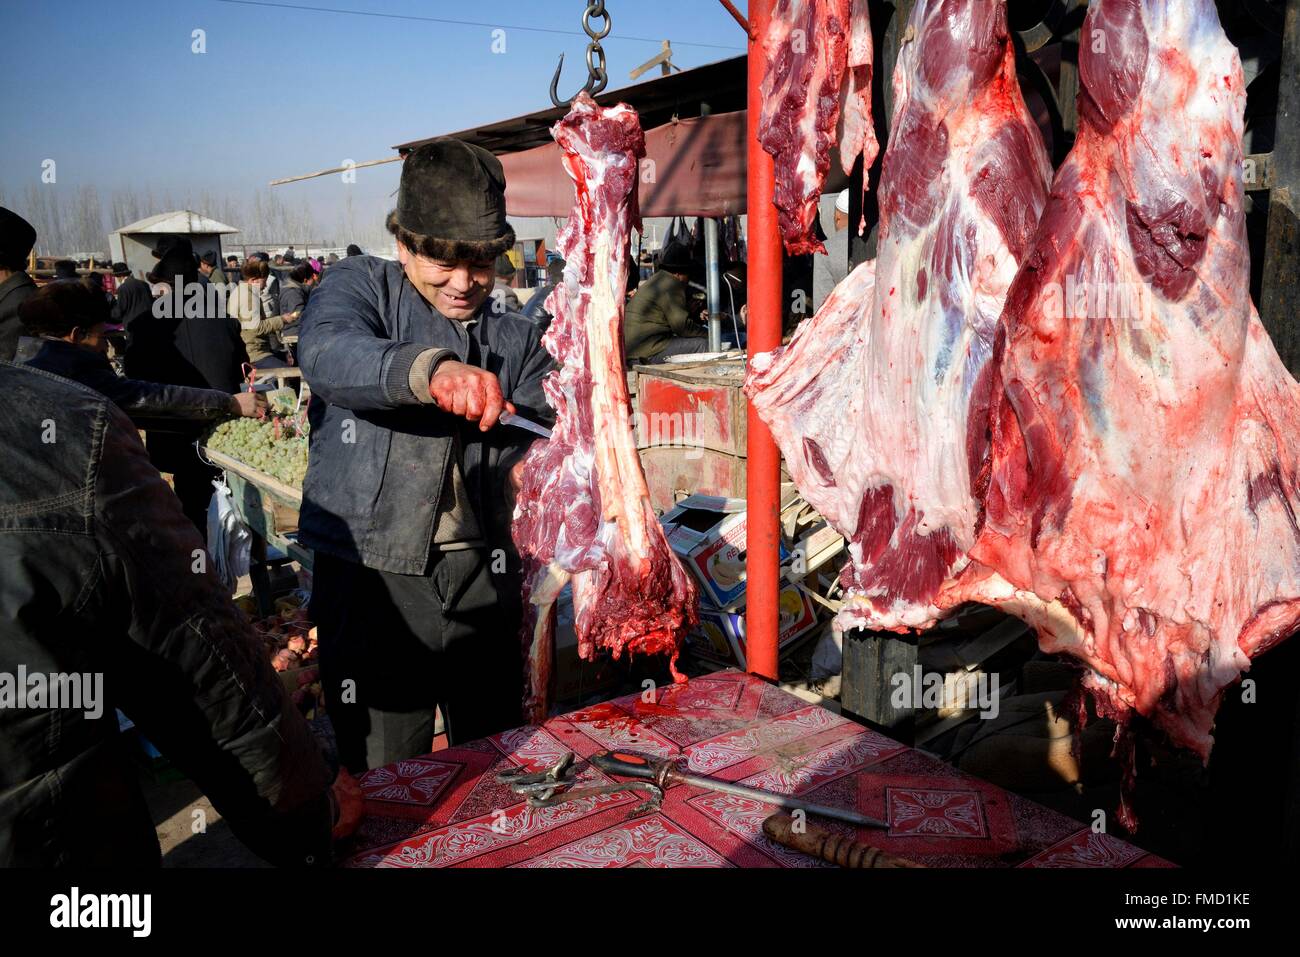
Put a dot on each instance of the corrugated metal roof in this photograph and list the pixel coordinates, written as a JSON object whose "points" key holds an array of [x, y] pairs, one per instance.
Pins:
{"points": [[179, 222]]}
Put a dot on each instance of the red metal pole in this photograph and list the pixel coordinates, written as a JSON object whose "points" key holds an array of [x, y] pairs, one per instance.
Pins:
{"points": [[740, 17], [763, 471]]}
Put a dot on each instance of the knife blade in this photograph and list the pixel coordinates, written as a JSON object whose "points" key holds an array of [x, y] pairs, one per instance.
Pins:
{"points": [[519, 422]]}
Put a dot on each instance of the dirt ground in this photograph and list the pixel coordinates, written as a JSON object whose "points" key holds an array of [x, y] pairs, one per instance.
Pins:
{"points": [[173, 805]]}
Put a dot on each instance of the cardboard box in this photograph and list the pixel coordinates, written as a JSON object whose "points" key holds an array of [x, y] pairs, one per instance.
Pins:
{"points": [[708, 534], [709, 641], [814, 550], [720, 635]]}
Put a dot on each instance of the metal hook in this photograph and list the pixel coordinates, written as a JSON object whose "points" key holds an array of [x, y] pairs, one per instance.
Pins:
{"points": [[597, 76], [555, 87]]}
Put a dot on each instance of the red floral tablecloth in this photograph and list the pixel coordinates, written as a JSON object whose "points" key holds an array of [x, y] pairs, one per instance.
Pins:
{"points": [[447, 810]]}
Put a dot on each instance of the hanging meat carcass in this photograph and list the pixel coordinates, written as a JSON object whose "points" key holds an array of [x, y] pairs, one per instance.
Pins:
{"points": [[583, 515], [880, 402], [812, 47], [1143, 491]]}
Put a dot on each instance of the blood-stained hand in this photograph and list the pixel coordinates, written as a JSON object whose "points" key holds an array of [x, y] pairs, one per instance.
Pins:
{"points": [[469, 391]]}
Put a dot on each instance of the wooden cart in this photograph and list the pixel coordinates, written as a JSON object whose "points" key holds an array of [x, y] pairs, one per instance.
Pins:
{"points": [[270, 509]]}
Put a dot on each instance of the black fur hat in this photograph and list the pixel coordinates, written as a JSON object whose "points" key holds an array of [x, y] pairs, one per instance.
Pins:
{"points": [[452, 203], [675, 258], [175, 259], [17, 237]]}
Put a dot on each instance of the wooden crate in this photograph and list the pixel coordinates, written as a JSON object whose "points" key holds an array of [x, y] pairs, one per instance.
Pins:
{"points": [[673, 473], [697, 405]]}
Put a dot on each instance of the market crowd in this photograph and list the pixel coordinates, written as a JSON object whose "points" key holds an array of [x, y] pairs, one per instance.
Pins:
{"points": [[406, 506]]}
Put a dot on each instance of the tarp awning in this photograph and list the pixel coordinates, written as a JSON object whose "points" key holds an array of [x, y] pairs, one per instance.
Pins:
{"points": [[693, 167]]}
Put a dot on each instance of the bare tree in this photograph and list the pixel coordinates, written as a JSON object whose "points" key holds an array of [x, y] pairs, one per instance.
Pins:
{"points": [[39, 208], [86, 222]]}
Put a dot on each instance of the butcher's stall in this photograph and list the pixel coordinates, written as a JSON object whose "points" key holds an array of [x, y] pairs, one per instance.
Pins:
{"points": [[462, 806]]}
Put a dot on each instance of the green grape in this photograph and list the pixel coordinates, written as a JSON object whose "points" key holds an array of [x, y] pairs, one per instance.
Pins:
{"points": [[254, 442]]}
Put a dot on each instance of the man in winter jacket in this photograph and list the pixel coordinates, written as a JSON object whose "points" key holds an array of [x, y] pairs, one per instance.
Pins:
{"points": [[408, 494], [106, 604], [659, 323], [17, 237]]}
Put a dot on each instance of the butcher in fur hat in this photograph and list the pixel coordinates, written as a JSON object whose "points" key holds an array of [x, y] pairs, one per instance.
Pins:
{"points": [[410, 486]]}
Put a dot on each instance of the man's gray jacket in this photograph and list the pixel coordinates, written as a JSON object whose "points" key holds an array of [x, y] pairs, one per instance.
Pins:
{"points": [[378, 451]]}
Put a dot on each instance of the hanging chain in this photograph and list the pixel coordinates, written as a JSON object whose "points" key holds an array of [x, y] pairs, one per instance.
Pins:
{"points": [[597, 76]]}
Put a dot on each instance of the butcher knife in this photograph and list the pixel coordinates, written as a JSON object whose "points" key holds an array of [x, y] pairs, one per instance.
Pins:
{"points": [[661, 771], [519, 422]]}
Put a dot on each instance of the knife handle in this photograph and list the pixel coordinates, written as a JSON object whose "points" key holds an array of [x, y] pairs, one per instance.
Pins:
{"points": [[628, 764], [827, 846]]}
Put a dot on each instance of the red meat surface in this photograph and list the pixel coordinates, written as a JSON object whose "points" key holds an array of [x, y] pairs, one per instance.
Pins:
{"points": [[1141, 506], [583, 515], [880, 402], [807, 46]]}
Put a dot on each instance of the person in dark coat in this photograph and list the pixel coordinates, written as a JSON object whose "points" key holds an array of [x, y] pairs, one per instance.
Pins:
{"points": [[293, 295], [134, 298], [100, 590], [410, 480], [210, 269], [71, 323], [535, 310], [17, 237], [659, 323], [65, 270], [94, 281], [504, 297], [200, 347]]}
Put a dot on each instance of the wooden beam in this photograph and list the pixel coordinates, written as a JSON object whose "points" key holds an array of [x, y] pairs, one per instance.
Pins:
{"points": [[662, 58], [336, 169]]}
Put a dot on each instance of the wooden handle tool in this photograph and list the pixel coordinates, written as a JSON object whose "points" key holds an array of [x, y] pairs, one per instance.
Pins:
{"points": [[824, 845]]}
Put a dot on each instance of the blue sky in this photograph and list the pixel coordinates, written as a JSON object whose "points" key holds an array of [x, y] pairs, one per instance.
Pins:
{"points": [[115, 95]]}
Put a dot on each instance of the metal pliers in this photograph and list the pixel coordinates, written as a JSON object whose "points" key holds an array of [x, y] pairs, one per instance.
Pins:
{"points": [[556, 785]]}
